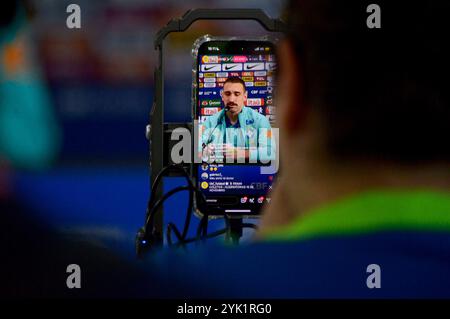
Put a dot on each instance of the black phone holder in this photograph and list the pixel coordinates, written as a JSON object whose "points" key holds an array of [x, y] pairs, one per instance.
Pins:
{"points": [[158, 132]]}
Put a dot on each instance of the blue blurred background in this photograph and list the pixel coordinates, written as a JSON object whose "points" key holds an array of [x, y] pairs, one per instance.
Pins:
{"points": [[95, 87]]}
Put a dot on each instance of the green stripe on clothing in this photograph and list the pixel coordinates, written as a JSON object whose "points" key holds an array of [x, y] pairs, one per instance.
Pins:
{"points": [[372, 212]]}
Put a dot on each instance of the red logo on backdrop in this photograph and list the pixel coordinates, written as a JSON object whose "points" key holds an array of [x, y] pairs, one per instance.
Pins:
{"points": [[255, 102], [234, 74], [209, 110]]}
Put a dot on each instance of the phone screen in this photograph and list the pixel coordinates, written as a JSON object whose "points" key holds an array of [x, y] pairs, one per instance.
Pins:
{"points": [[235, 126]]}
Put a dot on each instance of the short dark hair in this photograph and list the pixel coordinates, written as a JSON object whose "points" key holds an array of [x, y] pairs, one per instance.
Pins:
{"points": [[235, 79], [382, 93]]}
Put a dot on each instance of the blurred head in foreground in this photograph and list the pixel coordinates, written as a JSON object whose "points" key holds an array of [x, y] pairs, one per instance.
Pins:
{"points": [[360, 108]]}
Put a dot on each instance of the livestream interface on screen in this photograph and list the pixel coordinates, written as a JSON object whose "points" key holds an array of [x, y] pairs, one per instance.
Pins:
{"points": [[240, 185]]}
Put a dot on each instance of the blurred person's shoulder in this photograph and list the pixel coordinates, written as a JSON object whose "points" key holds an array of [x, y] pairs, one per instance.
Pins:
{"points": [[37, 262], [328, 267], [324, 257]]}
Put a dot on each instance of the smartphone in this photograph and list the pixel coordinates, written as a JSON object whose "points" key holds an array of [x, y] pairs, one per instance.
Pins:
{"points": [[240, 188]]}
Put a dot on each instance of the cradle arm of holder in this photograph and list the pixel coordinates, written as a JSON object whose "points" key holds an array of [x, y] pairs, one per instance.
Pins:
{"points": [[181, 24]]}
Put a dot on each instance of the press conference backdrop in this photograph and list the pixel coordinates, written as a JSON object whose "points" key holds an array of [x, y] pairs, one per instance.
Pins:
{"points": [[100, 82], [101, 76]]}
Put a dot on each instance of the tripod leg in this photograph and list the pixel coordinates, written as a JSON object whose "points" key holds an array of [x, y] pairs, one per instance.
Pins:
{"points": [[235, 230]]}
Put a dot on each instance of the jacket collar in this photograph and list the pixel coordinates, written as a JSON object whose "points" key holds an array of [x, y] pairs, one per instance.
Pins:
{"points": [[372, 211]]}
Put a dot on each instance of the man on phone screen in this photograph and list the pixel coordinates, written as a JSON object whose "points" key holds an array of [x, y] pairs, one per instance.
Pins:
{"points": [[236, 132]]}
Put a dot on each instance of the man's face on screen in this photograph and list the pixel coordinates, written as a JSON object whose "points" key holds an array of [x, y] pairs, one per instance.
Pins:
{"points": [[234, 96]]}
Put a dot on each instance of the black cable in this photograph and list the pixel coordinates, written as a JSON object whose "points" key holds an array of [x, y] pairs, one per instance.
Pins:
{"points": [[161, 174], [151, 215], [155, 187], [205, 228], [152, 208], [144, 239], [151, 211], [201, 229], [182, 242], [187, 221], [170, 227], [203, 224], [212, 235]]}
